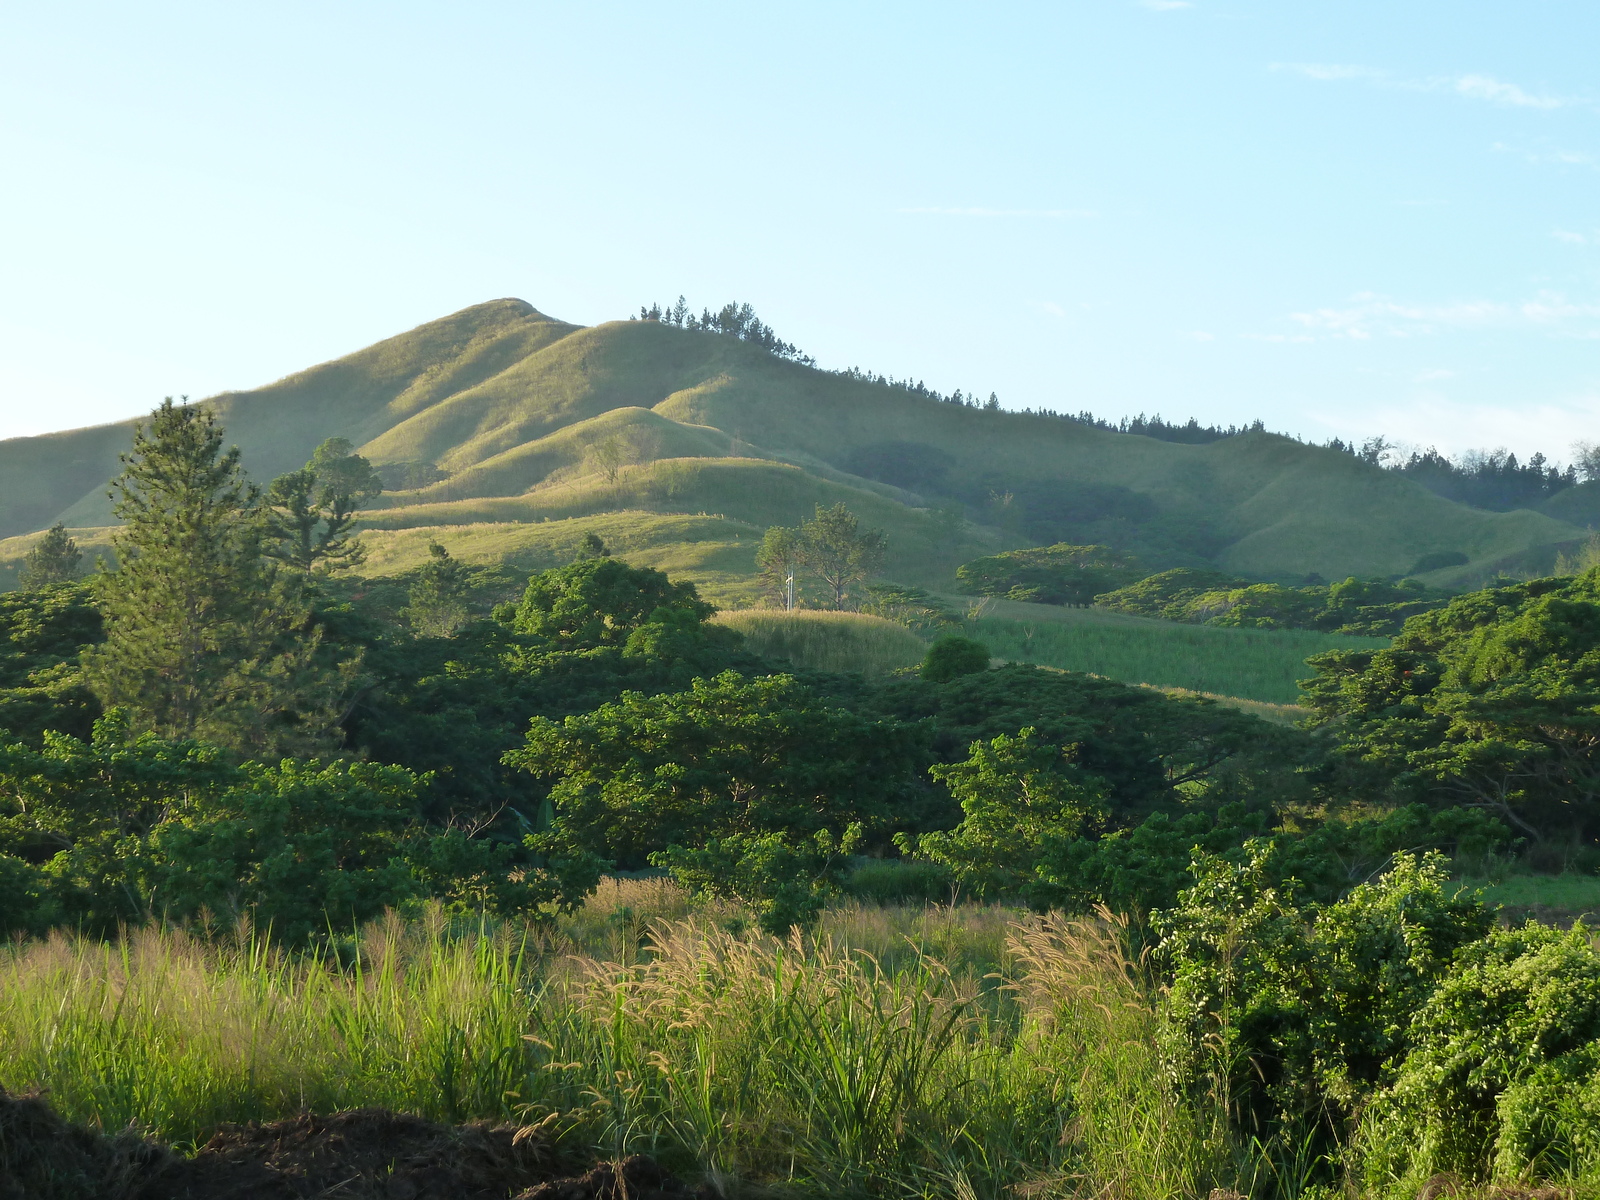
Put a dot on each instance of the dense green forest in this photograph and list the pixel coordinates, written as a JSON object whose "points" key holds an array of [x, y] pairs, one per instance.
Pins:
{"points": [[237, 732]]}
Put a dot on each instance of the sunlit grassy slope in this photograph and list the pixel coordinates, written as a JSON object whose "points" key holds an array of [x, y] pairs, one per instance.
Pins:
{"points": [[517, 410]]}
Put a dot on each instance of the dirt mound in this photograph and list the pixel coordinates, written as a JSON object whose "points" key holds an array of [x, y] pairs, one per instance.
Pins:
{"points": [[44, 1158], [367, 1154]]}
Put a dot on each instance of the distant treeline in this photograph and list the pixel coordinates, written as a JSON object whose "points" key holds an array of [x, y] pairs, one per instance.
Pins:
{"points": [[735, 320], [1490, 479]]}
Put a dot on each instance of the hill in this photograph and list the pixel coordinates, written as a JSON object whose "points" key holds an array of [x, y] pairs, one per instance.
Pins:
{"points": [[507, 433]]}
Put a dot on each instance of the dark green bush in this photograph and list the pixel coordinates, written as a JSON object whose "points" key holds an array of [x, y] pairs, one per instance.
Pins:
{"points": [[898, 881], [954, 655]]}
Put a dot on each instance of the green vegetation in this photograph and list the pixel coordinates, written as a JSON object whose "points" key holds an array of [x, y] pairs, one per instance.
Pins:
{"points": [[953, 655], [1355, 606], [1491, 700], [730, 1055], [826, 641], [202, 637], [1264, 665], [310, 512], [54, 558], [1232, 953], [1060, 574]]}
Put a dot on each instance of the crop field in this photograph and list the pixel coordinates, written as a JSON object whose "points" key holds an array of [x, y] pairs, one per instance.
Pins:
{"points": [[1251, 664], [827, 641]]}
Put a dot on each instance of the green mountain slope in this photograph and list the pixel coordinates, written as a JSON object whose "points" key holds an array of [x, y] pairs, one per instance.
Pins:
{"points": [[537, 425]]}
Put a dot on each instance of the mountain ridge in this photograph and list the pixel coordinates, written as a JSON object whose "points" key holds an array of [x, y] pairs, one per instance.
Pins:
{"points": [[507, 402]]}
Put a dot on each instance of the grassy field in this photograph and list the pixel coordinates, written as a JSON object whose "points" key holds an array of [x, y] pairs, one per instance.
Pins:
{"points": [[1570, 892], [1250, 664], [880, 1057], [828, 641]]}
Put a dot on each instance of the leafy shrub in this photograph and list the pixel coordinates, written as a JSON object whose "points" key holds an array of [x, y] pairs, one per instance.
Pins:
{"points": [[954, 655], [1503, 1080], [125, 827], [1024, 801], [1361, 607], [739, 786], [1295, 1012], [1059, 574]]}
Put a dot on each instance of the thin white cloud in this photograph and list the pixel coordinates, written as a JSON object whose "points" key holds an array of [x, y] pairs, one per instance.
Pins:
{"points": [[1570, 236], [1549, 154], [1369, 315], [1481, 87], [1472, 87], [1055, 213]]}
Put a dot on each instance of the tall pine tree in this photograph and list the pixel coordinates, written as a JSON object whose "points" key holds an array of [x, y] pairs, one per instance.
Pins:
{"points": [[203, 637], [54, 559], [311, 512]]}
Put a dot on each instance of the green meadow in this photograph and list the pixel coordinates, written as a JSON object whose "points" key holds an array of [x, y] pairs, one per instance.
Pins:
{"points": [[1251, 664]]}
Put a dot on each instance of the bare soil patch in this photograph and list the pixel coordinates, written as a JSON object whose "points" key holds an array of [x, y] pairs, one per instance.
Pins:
{"points": [[365, 1154]]}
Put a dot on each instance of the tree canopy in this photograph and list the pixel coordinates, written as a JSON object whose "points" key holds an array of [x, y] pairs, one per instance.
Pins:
{"points": [[1492, 702]]}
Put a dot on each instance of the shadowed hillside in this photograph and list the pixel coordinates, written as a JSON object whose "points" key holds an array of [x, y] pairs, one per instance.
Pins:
{"points": [[510, 419]]}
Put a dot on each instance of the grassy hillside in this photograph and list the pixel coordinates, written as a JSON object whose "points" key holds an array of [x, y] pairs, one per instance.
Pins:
{"points": [[530, 420]]}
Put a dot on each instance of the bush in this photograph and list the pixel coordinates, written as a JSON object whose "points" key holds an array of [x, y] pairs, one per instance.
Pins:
{"points": [[952, 656], [1502, 1082], [1295, 1012], [898, 881]]}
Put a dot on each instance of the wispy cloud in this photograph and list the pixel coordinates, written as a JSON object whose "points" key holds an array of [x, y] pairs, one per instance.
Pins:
{"points": [[1472, 87], [1573, 238], [1549, 154], [1369, 315], [1431, 418], [1481, 87], [1054, 213]]}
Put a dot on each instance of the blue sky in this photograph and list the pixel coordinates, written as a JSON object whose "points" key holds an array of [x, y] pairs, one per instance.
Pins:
{"points": [[1345, 219]]}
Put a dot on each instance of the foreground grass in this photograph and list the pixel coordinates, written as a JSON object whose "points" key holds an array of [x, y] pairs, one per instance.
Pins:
{"points": [[827, 641], [895, 1052], [1251, 664]]}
